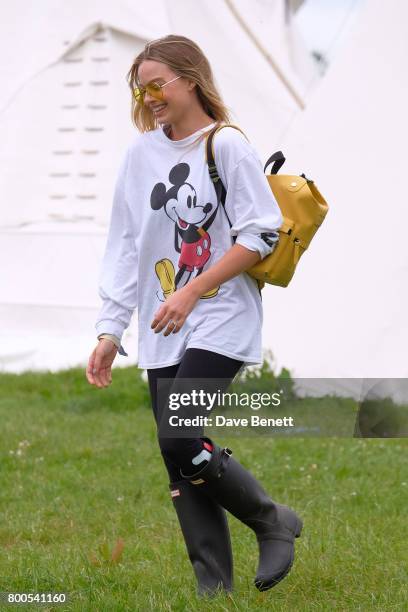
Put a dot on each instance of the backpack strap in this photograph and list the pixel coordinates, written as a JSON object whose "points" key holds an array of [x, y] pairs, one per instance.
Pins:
{"points": [[212, 168], [214, 176], [279, 160]]}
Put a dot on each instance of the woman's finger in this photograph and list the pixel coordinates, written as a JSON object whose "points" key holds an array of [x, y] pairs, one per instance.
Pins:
{"points": [[105, 376], [96, 371], [158, 316], [171, 327], [163, 323], [179, 325], [89, 372]]}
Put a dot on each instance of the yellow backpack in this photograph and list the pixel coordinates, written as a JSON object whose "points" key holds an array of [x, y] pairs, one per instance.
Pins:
{"points": [[303, 209]]}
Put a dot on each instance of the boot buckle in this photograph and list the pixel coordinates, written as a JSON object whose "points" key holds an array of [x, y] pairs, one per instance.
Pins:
{"points": [[198, 481], [227, 451]]}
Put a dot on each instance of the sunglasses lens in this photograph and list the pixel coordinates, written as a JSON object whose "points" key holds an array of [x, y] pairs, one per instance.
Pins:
{"points": [[154, 90], [138, 93]]}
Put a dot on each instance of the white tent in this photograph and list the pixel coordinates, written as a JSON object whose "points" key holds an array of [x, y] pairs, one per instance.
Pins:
{"points": [[65, 122], [345, 313]]}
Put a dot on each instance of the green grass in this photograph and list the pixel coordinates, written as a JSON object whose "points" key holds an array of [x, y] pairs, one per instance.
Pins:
{"points": [[81, 470]]}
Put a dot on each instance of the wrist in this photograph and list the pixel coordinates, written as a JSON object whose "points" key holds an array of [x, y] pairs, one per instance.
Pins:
{"points": [[196, 287], [111, 338]]}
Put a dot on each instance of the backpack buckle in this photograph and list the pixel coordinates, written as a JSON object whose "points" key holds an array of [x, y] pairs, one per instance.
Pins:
{"points": [[213, 172]]}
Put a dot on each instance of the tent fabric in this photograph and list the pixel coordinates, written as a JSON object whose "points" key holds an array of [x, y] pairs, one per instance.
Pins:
{"points": [[49, 29], [61, 131]]}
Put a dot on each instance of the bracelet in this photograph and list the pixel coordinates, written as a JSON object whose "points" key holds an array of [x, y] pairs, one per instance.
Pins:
{"points": [[115, 341], [110, 337]]}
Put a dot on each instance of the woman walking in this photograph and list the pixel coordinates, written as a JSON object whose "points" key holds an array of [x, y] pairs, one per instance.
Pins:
{"points": [[170, 254]]}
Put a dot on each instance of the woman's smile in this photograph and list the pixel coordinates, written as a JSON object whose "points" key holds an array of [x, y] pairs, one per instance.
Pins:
{"points": [[159, 109]]}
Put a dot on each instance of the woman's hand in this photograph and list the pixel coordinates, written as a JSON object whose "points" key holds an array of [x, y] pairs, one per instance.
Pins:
{"points": [[175, 309], [98, 371]]}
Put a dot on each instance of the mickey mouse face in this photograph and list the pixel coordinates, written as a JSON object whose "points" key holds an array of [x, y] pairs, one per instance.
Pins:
{"points": [[186, 209], [180, 201]]}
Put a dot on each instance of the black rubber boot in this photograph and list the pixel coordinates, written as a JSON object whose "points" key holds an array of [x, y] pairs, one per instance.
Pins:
{"points": [[276, 526], [206, 534]]}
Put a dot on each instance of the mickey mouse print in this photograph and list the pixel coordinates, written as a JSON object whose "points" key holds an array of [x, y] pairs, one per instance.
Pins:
{"points": [[191, 220]]}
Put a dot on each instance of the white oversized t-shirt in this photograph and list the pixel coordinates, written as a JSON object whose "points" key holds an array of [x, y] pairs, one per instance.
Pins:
{"points": [[166, 228]]}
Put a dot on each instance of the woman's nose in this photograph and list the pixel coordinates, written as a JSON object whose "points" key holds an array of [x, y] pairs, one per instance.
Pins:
{"points": [[148, 99]]}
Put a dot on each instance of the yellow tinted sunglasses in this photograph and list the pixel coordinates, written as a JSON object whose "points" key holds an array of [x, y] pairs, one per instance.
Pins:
{"points": [[153, 89]]}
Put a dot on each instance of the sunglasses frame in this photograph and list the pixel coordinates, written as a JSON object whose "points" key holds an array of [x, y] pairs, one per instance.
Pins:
{"points": [[142, 90]]}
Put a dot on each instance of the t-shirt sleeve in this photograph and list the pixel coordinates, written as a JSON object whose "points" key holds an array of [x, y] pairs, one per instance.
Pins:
{"points": [[118, 272], [250, 204]]}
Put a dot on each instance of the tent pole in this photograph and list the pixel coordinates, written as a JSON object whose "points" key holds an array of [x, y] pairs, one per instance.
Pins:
{"points": [[266, 55]]}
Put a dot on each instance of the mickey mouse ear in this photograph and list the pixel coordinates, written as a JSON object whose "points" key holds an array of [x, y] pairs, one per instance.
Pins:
{"points": [[158, 197], [179, 174]]}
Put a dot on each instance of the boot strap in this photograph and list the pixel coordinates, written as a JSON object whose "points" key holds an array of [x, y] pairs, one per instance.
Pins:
{"points": [[273, 536], [226, 454]]}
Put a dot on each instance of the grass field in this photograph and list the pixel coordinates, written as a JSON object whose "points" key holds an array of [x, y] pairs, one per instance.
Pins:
{"points": [[85, 507]]}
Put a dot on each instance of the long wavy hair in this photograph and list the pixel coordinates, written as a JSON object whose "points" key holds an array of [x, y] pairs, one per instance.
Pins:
{"points": [[186, 59]]}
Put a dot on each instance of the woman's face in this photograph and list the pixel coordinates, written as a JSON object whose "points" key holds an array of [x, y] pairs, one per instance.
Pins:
{"points": [[177, 96]]}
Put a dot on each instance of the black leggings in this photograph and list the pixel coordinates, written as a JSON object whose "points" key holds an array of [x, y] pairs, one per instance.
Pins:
{"points": [[196, 363]]}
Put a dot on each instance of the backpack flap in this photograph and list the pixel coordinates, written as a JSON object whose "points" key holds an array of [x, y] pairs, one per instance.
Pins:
{"points": [[300, 201]]}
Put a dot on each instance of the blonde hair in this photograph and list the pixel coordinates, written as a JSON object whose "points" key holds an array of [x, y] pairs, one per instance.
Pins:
{"points": [[186, 59]]}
